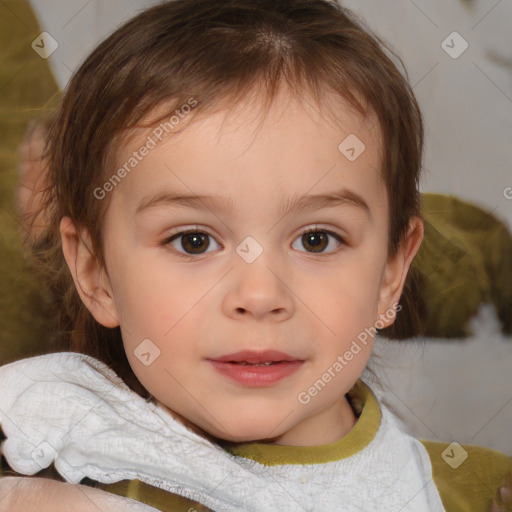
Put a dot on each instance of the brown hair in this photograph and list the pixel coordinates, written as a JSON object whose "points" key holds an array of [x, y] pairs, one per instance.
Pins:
{"points": [[215, 50]]}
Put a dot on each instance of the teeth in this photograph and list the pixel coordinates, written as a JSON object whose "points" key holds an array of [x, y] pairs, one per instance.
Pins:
{"points": [[256, 364]]}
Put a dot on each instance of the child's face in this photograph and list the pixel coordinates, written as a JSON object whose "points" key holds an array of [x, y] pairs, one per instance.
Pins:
{"points": [[217, 301]]}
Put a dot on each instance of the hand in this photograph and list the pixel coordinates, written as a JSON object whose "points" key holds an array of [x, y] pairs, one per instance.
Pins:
{"points": [[33, 494], [503, 500], [33, 168]]}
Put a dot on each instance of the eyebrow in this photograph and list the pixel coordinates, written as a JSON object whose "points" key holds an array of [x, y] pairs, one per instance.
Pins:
{"points": [[342, 197]]}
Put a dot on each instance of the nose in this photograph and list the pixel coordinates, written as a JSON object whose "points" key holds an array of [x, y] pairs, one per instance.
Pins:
{"points": [[260, 290]]}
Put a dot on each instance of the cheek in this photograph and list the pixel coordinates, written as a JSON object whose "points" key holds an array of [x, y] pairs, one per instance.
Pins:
{"points": [[345, 307], [160, 310], [150, 297], [352, 286]]}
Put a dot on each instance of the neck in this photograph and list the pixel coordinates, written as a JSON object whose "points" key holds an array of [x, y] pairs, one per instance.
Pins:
{"points": [[328, 426]]}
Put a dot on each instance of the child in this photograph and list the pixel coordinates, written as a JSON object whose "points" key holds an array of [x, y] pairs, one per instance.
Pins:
{"points": [[283, 139]]}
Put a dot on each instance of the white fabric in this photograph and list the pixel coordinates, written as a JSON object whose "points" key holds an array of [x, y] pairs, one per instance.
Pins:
{"points": [[73, 410]]}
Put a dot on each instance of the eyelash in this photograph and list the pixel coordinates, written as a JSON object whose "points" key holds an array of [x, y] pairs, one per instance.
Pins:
{"points": [[316, 229]]}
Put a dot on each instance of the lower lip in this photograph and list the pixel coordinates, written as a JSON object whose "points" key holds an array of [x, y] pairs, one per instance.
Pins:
{"points": [[251, 375]]}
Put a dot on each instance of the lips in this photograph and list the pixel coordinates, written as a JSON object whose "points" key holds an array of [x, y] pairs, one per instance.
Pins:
{"points": [[256, 369], [257, 358]]}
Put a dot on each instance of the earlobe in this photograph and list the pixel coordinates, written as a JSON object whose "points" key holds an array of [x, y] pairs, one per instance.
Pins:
{"points": [[397, 268], [90, 278]]}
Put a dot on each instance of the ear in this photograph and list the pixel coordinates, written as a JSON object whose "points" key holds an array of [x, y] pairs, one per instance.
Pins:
{"points": [[396, 270], [91, 279]]}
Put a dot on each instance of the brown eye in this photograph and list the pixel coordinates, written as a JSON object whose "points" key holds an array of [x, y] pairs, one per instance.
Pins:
{"points": [[317, 240], [189, 242], [195, 242]]}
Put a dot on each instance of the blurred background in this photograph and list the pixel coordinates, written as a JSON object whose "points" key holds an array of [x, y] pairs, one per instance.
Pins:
{"points": [[448, 385]]}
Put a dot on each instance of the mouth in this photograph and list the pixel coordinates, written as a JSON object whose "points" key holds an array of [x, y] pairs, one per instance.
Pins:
{"points": [[256, 369], [250, 357], [266, 363]]}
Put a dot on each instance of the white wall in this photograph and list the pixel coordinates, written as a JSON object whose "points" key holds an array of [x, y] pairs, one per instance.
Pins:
{"points": [[467, 102], [79, 25]]}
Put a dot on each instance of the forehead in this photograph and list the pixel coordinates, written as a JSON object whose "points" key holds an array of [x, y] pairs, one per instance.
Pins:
{"points": [[244, 152]]}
